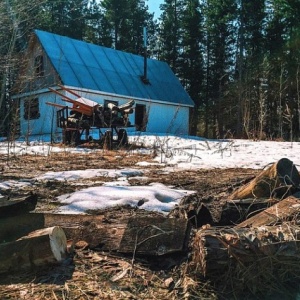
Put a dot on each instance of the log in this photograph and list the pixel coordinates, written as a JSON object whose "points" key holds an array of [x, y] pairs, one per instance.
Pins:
{"points": [[15, 227], [42, 247], [217, 251], [285, 210], [10, 206], [236, 211], [155, 235], [279, 180]]}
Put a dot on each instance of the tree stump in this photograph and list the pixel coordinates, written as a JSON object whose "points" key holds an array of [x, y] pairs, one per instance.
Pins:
{"points": [[41, 247], [278, 181]]}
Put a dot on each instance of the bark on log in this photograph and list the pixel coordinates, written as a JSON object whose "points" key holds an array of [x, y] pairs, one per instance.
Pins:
{"points": [[217, 251], [154, 235], [11, 206], [236, 211], [15, 227], [286, 210], [279, 180], [48, 245]]}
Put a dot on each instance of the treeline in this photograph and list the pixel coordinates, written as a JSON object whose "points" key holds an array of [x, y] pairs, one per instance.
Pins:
{"points": [[238, 59]]}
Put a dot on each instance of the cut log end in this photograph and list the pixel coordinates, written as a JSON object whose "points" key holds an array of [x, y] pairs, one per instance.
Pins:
{"points": [[57, 240], [58, 243], [280, 179], [40, 247]]}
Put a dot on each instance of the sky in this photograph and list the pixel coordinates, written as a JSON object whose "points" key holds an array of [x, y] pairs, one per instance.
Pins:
{"points": [[173, 154], [154, 7]]}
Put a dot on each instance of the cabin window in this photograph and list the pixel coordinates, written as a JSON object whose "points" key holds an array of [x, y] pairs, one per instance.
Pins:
{"points": [[31, 109], [39, 66]]}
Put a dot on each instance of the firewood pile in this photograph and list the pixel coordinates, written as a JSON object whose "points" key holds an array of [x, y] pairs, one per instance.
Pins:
{"points": [[257, 250], [84, 114], [253, 246]]}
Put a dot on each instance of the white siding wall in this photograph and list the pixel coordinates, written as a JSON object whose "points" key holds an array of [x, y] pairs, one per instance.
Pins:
{"points": [[168, 119], [46, 123]]}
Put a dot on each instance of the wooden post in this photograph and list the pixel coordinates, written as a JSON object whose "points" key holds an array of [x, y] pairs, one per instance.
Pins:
{"points": [[279, 180]]}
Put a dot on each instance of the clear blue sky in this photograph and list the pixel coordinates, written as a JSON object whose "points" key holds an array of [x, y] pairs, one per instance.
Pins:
{"points": [[154, 6]]}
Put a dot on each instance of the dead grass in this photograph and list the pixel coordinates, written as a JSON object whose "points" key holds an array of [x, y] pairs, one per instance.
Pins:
{"points": [[96, 275]]}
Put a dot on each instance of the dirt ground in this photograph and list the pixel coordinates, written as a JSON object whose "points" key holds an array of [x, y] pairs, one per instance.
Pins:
{"points": [[97, 275]]}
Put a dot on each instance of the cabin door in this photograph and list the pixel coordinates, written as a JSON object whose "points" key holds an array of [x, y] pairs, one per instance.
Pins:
{"points": [[140, 117]]}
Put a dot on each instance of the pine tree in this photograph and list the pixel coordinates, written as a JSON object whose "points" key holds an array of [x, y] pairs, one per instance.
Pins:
{"points": [[126, 19], [220, 20], [190, 64]]}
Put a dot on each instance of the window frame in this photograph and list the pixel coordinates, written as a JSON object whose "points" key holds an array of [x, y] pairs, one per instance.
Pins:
{"points": [[31, 108]]}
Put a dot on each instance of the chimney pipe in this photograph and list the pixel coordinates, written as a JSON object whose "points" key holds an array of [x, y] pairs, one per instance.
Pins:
{"points": [[145, 79]]}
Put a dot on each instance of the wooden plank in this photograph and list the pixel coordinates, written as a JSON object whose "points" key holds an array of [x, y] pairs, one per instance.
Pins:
{"points": [[56, 105], [69, 90]]}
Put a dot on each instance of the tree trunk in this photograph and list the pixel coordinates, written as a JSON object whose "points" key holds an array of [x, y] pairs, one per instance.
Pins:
{"points": [[217, 251], [44, 246], [279, 180], [286, 210]]}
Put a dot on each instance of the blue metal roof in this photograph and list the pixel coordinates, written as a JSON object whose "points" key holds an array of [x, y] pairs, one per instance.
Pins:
{"points": [[88, 66]]}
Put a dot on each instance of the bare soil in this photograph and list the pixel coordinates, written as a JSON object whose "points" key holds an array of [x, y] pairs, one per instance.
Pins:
{"points": [[97, 275]]}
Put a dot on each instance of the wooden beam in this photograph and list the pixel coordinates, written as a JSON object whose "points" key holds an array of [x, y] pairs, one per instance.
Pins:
{"points": [[69, 90], [56, 105]]}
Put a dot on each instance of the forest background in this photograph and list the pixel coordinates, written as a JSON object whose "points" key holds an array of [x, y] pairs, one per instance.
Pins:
{"points": [[239, 60]]}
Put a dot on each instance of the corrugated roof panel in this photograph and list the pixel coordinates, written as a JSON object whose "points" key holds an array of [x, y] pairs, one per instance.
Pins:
{"points": [[98, 68]]}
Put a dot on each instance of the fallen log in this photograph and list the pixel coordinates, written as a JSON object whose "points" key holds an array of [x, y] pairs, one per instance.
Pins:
{"points": [[44, 246], [236, 211], [152, 235], [285, 210], [10, 206], [220, 250], [15, 227], [278, 181]]}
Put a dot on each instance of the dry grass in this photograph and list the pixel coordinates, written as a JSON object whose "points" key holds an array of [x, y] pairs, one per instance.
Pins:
{"points": [[96, 275], [92, 275]]}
